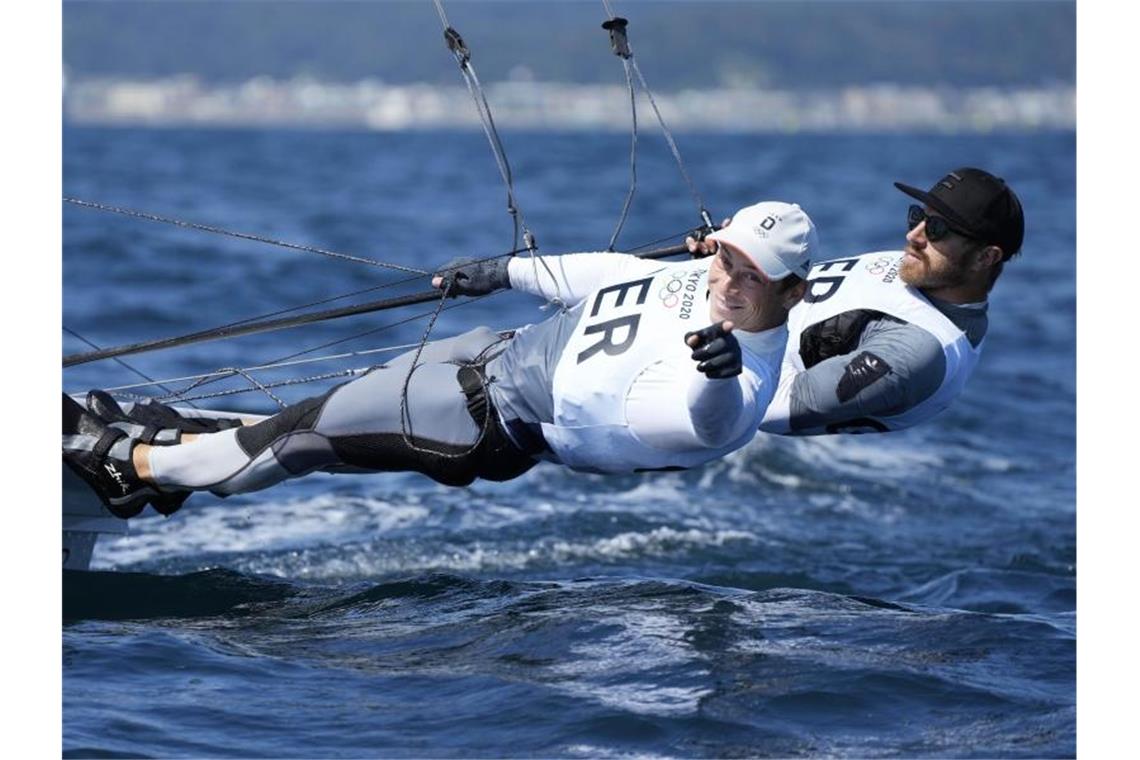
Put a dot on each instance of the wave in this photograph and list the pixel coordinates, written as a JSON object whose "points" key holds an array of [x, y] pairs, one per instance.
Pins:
{"points": [[753, 669]]}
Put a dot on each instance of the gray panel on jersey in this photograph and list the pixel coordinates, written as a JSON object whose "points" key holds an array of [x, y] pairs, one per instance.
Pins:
{"points": [[524, 373]]}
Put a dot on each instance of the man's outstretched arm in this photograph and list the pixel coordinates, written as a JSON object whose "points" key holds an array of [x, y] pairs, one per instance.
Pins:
{"points": [[569, 277]]}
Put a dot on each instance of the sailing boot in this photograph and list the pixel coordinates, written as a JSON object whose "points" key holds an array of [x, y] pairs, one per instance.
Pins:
{"points": [[103, 406], [101, 456], [146, 429], [161, 424]]}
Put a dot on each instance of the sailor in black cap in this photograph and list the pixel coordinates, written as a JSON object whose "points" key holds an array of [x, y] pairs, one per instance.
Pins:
{"points": [[886, 340]]}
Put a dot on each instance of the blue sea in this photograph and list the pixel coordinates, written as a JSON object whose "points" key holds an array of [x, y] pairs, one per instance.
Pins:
{"points": [[910, 594]]}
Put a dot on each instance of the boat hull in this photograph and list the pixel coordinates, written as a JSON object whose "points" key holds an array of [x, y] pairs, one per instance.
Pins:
{"points": [[85, 520]]}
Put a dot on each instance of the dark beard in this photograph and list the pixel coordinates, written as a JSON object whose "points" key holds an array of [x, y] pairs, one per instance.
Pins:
{"points": [[918, 274]]}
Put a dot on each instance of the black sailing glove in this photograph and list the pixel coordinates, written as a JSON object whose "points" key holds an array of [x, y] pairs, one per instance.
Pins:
{"points": [[717, 350], [469, 277]]}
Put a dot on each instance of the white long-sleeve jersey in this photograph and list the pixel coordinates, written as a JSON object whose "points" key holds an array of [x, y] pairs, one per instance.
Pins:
{"points": [[610, 381]]}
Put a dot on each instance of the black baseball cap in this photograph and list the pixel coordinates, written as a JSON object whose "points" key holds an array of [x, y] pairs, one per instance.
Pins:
{"points": [[977, 204]]}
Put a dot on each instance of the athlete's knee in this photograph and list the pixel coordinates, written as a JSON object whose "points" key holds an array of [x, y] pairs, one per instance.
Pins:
{"points": [[301, 416], [291, 438]]}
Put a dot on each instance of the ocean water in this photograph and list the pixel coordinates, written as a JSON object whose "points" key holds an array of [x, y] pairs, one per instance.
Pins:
{"points": [[910, 594]]}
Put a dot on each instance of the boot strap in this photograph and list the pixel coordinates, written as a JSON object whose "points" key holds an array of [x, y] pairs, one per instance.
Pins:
{"points": [[106, 441], [149, 433]]}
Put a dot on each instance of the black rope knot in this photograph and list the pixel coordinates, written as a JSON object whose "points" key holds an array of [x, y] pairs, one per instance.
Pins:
{"points": [[456, 45], [618, 39]]}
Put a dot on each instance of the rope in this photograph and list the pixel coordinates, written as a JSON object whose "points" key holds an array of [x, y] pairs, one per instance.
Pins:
{"points": [[257, 385], [322, 302], [689, 232], [374, 288], [120, 362], [617, 29], [388, 326], [620, 44], [705, 216], [240, 235], [462, 55], [632, 161], [262, 386], [405, 416], [220, 374]]}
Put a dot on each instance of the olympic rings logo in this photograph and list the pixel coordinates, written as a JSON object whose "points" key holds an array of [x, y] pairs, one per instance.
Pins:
{"points": [[668, 294], [880, 265]]}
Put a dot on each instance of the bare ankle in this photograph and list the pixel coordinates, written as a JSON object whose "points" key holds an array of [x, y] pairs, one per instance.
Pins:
{"points": [[140, 458]]}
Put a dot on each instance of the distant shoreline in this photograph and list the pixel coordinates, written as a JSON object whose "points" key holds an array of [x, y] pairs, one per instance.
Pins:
{"points": [[185, 101]]}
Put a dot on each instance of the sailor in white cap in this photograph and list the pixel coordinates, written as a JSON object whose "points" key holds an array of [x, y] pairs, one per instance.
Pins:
{"points": [[652, 365]]}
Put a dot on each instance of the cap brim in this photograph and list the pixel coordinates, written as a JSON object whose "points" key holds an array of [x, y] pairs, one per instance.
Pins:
{"points": [[772, 268], [935, 204]]}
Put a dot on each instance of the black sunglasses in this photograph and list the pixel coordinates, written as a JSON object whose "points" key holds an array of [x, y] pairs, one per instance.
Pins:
{"points": [[936, 226]]}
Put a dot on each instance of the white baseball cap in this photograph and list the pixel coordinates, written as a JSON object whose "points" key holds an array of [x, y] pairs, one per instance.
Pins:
{"points": [[779, 238]]}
